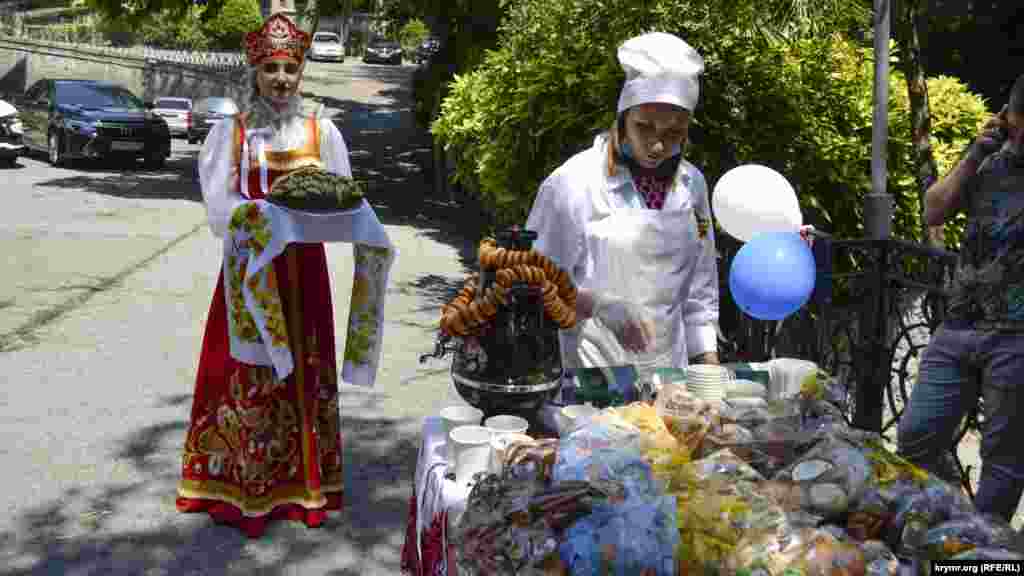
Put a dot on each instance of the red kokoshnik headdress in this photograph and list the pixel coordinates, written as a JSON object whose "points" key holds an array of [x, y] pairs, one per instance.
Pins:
{"points": [[278, 38]]}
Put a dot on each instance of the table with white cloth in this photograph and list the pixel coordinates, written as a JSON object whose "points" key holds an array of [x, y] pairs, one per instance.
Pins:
{"points": [[438, 501]]}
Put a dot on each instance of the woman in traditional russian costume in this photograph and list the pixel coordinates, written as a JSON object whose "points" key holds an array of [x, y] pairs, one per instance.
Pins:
{"points": [[260, 447]]}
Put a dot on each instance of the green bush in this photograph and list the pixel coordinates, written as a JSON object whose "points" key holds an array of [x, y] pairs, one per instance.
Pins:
{"points": [[801, 104], [412, 34]]}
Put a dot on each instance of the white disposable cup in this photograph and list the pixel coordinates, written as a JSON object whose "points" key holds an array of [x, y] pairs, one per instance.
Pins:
{"points": [[507, 424], [787, 375], [453, 416], [471, 447]]}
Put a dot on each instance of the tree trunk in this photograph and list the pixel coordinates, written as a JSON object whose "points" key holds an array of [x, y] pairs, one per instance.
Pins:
{"points": [[910, 25]]}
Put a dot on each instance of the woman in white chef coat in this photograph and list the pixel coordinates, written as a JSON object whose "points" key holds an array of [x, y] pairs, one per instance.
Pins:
{"points": [[630, 219]]}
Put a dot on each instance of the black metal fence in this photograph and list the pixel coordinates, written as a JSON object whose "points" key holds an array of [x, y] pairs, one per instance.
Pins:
{"points": [[874, 307]]}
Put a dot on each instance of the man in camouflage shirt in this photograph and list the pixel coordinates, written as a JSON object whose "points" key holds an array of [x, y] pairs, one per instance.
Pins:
{"points": [[983, 334]]}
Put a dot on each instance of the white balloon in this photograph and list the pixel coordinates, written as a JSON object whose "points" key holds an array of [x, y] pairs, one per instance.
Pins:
{"points": [[752, 199]]}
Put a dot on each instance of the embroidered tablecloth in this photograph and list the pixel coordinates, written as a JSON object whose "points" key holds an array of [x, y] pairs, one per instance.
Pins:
{"points": [[259, 232]]}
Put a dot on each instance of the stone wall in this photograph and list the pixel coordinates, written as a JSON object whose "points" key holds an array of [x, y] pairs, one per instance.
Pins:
{"points": [[23, 62]]}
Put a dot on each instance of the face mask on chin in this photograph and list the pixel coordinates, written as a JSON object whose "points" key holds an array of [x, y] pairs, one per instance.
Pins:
{"points": [[627, 150]]}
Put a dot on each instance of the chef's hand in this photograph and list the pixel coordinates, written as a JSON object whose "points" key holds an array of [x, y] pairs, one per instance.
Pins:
{"points": [[630, 322], [990, 139]]}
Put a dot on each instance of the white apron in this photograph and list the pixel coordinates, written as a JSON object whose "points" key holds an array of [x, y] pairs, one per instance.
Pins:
{"points": [[647, 257]]}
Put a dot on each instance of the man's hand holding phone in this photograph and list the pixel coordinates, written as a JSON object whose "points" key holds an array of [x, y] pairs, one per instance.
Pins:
{"points": [[991, 138]]}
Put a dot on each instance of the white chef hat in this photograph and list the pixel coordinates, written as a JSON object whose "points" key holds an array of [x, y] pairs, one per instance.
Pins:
{"points": [[659, 67]]}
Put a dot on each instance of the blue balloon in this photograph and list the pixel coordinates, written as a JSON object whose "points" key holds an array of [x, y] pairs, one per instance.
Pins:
{"points": [[772, 275]]}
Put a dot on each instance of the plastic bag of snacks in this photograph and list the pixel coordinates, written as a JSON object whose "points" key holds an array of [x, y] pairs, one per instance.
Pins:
{"points": [[989, 554], [654, 434], [725, 464], [901, 501], [719, 500], [512, 527], [803, 551], [829, 477], [588, 456], [532, 460], [635, 537], [963, 534], [879, 559], [723, 435], [610, 432]]}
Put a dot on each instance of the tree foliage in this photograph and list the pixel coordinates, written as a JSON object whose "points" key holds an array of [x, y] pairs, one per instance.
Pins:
{"points": [[794, 97], [168, 30], [236, 18], [413, 33]]}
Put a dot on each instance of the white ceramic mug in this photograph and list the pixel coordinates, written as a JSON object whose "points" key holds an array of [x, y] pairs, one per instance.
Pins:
{"points": [[471, 448], [507, 424], [454, 416]]}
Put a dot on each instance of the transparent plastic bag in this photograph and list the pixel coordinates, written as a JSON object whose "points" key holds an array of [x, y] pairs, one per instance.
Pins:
{"points": [[512, 527], [589, 454], [715, 515], [954, 537], [799, 551], [654, 434], [902, 501], [635, 537], [829, 477], [994, 554], [879, 559], [610, 432], [727, 465]]}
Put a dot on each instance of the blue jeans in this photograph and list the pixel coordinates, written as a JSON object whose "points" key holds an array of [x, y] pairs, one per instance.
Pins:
{"points": [[959, 366]]}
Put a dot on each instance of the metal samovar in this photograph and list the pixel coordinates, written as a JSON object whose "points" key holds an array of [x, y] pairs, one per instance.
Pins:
{"points": [[513, 365]]}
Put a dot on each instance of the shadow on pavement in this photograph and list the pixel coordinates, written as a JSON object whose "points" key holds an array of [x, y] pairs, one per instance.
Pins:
{"points": [[104, 530], [176, 181]]}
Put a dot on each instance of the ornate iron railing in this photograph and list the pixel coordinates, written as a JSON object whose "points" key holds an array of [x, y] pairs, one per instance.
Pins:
{"points": [[225, 61], [874, 308]]}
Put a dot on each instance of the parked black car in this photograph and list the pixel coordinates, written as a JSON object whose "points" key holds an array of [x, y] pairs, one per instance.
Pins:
{"points": [[383, 52], [427, 49], [208, 112], [71, 119]]}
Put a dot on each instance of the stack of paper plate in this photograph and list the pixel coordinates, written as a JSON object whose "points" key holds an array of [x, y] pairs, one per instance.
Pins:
{"points": [[707, 381]]}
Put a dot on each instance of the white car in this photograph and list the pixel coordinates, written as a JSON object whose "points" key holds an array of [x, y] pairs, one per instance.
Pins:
{"points": [[11, 131], [327, 46], [177, 112]]}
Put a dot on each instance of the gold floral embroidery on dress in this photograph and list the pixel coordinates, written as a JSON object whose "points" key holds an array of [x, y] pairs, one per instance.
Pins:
{"points": [[252, 438], [364, 311]]}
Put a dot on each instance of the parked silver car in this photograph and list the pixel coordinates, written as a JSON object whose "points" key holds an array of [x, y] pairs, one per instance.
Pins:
{"points": [[11, 145], [327, 46], [177, 112], [208, 112]]}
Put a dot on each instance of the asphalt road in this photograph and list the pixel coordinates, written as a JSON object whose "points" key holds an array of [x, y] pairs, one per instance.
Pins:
{"points": [[111, 270]]}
